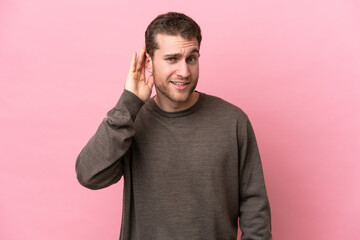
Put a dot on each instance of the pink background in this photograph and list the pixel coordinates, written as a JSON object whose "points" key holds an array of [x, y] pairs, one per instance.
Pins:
{"points": [[293, 66]]}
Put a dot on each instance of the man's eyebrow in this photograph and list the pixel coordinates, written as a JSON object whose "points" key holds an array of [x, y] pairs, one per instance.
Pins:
{"points": [[194, 50], [172, 55], [178, 54]]}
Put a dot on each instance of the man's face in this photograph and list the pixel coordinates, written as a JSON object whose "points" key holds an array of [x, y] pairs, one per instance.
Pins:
{"points": [[175, 67]]}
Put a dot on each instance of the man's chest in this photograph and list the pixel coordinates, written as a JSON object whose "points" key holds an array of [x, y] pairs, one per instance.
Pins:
{"points": [[185, 148]]}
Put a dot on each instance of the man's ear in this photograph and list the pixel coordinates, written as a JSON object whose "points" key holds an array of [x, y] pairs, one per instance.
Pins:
{"points": [[148, 63]]}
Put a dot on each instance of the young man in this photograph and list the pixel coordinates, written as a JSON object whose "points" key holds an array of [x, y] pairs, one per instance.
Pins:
{"points": [[190, 161]]}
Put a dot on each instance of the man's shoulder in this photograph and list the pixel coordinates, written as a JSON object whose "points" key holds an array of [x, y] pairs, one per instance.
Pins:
{"points": [[221, 106]]}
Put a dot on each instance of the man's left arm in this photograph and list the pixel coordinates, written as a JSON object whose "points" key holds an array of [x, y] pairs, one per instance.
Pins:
{"points": [[254, 207]]}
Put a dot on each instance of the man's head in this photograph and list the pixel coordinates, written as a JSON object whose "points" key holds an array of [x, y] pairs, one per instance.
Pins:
{"points": [[173, 45], [171, 23]]}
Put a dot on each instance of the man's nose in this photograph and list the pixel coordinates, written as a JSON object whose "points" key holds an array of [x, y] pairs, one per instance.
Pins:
{"points": [[183, 70]]}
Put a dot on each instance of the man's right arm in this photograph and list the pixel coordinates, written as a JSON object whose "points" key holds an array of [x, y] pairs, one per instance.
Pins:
{"points": [[101, 161]]}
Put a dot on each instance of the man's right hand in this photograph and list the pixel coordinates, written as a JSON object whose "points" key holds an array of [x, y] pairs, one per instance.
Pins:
{"points": [[136, 80]]}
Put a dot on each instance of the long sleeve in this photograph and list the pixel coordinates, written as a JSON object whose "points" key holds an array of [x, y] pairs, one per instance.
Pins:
{"points": [[100, 163], [254, 208]]}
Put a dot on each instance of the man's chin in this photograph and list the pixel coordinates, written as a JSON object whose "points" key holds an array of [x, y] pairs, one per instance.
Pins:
{"points": [[182, 97]]}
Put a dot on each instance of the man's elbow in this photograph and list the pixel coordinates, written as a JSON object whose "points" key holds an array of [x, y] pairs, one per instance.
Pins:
{"points": [[96, 179], [99, 180], [87, 182]]}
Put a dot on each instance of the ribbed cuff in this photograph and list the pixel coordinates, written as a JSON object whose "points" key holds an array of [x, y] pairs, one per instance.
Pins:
{"points": [[132, 102]]}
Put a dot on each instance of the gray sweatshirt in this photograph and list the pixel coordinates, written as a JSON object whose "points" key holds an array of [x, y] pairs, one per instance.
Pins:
{"points": [[188, 175]]}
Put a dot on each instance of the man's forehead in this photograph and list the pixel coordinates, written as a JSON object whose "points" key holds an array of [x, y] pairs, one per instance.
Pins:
{"points": [[170, 43]]}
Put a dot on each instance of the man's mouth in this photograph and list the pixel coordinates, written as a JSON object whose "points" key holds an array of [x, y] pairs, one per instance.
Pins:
{"points": [[180, 85]]}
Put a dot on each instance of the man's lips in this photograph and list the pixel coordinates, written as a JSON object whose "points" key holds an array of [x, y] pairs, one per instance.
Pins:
{"points": [[180, 84]]}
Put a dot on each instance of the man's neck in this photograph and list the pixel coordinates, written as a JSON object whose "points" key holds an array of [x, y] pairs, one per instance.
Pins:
{"points": [[170, 106]]}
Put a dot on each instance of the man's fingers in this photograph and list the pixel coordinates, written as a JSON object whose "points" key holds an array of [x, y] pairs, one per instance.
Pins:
{"points": [[140, 60], [143, 69], [133, 63]]}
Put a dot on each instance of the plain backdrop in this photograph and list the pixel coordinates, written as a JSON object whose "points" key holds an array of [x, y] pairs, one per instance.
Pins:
{"points": [[292, 66]]}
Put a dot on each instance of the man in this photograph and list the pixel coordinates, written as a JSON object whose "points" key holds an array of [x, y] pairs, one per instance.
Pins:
{"points": [[190, 161]]}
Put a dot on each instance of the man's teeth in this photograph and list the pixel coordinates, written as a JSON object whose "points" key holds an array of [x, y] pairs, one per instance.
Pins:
{"points": [[179, 84]]}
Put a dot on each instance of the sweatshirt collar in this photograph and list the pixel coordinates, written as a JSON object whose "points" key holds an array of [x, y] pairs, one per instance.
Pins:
{"points": [[181, 113]]}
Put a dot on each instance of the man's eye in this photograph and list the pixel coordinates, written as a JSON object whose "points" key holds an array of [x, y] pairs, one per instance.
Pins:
{"points": [[191, 59], [170, 59]]}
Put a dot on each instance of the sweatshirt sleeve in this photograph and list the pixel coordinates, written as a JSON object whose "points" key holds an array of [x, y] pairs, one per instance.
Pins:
{"points": [[254, 208], [100, 162]]}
